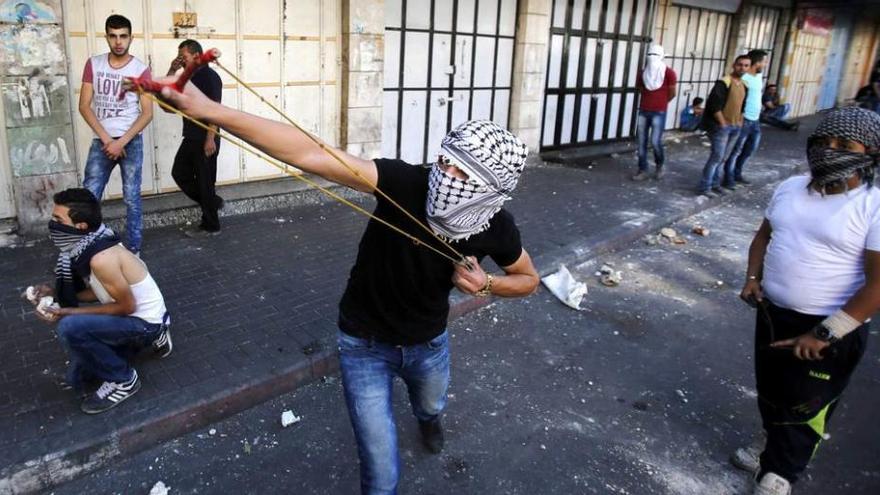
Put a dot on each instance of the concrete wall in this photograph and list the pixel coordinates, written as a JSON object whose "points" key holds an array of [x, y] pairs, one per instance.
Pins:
{"points": [[363, 28], [529, 70], [37, 123]]}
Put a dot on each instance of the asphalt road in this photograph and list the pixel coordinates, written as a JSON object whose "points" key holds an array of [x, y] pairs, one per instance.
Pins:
{"points": [[645, 391]]}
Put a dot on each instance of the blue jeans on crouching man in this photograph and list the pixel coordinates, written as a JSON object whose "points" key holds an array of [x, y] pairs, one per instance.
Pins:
{"points": [[368, 371], [97, 173], [723, 140], [655, 121], [100, 346]]}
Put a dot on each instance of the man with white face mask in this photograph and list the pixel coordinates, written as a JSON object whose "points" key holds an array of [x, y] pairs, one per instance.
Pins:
{"points": [[656, 83], [393, 314]]}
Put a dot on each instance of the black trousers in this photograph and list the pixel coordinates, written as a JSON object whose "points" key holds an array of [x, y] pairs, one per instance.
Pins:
{"points": [[797, 398], [195, 175]]}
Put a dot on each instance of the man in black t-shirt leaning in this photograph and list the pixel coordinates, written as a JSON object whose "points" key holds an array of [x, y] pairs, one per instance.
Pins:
{"points": [[394, 312], [195, 165]]}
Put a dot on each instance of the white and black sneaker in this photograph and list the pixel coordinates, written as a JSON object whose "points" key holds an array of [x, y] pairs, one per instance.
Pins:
{"points": [[162, 344], [110, 394]]}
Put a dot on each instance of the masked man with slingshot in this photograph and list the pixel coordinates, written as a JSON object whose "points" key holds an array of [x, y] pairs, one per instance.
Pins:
{"points": [[427, 234], [814, 272]]}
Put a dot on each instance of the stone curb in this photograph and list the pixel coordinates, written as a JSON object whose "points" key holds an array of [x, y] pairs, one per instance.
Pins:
{"points": [[64, 465]]}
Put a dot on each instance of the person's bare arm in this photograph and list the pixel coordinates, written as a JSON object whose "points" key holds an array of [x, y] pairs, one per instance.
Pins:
{"points": [[519, 279], [671, 94], [86, 93], [280, 141], [752, 291], [108, 270], [719, 117]]}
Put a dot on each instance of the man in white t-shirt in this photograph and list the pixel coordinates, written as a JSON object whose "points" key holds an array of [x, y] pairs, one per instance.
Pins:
{"points": [[814, 273], [117, 123], [130, 313]]}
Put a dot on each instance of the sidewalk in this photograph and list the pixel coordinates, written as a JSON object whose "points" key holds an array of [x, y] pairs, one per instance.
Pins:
{"points": [[255, 308]]}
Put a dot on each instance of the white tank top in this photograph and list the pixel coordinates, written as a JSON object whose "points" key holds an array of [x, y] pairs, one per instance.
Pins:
{"points": [[149, 304]]}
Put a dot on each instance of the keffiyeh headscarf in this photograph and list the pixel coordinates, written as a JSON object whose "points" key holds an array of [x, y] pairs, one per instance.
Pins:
{"points": [[855, 124], [77, 249], [493, 158], [655, 68]]}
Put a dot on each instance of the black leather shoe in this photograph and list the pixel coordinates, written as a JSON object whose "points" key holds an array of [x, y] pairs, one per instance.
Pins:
{"points": [[432, 435]]}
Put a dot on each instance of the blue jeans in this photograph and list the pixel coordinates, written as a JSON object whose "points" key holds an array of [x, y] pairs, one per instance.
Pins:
{"points": [[655, 121], [780, 111], [99, 346], [368, 369], [98, 168], [723, 141], [746, 144]]}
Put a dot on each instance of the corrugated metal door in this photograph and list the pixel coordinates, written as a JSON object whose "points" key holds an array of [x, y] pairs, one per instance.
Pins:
{"points": [[837, 52], [761, 25], [808, 64], [696, 48], [596, 47], [286, 50], [446, 62]]}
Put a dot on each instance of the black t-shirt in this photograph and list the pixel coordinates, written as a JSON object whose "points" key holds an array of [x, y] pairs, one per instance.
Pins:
{"points": [[209, 83], [398, 291]]}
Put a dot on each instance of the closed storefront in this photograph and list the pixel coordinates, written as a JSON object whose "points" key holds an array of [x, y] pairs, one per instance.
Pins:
{"points": [[286, 50]]}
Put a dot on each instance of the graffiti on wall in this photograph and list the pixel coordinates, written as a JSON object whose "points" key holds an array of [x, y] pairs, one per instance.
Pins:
{"points": [[40, 150], [35, 101], [30, 49], [34, 197], [29, 11]]}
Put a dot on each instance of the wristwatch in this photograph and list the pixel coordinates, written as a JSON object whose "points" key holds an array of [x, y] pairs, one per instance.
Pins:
{"points": [[824, 334], [487, 289]]}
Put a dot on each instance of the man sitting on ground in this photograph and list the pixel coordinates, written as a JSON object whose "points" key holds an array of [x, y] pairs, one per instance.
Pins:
{"points": [[690, 117], [94, 267], [774, 112]]}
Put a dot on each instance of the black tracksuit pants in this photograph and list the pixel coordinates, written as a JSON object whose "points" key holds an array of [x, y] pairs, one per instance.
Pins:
{"points": [[195, 175], [797, 398]]}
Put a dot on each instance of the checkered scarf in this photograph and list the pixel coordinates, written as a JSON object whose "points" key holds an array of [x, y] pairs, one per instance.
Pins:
{"points": [[493, 158], [77, 248], [855, 124]]}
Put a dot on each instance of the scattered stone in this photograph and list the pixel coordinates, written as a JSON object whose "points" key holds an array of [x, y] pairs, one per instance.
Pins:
{"points": [[682, 396], [159, 489], [212, 431], [288, 418], [700, 230], [719, 283], [610, 277], [652, 240], [641, 405], [668, 233]]}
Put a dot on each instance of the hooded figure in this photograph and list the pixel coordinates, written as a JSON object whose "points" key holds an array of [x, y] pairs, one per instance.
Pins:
{"points": [[655, 68], [493, 159], [832, 165]]}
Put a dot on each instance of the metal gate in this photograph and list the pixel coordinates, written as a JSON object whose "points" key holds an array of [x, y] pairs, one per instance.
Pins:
{"points": [[761, 25], [695, 42], [596, 47], [446, 62], [286, 50]]}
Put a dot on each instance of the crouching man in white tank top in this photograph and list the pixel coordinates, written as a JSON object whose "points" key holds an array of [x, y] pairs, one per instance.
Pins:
{"points": [[130, 315]]}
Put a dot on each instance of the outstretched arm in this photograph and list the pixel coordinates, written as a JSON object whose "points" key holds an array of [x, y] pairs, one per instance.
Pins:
{"points": [[281, 141]]}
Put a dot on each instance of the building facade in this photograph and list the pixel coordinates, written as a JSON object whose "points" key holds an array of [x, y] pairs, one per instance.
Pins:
{"points": [[391, 77]]}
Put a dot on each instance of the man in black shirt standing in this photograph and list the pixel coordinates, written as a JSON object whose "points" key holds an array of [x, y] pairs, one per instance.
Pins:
{"points": [[394, 312], [195, 165]]}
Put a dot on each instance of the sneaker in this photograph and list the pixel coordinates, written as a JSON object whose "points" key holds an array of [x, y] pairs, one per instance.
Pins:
{"points": [[743, 181], [432, 435], [731, 187], [719, 191], [773, 484], [659, 173], [748, 458], [642, 175], [708, 193], [162, 345], [110, 394]]}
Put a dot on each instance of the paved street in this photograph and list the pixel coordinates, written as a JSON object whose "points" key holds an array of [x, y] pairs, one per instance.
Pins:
{"points": [[645, 391], [255, 308]]}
